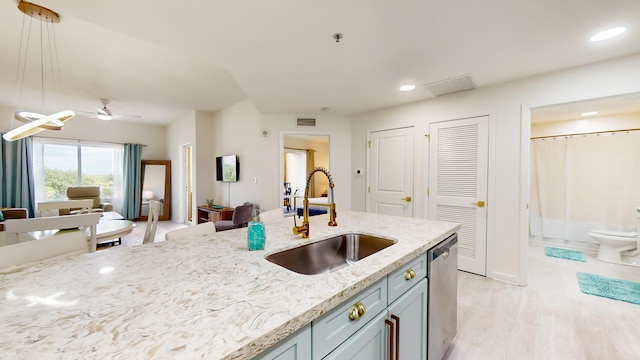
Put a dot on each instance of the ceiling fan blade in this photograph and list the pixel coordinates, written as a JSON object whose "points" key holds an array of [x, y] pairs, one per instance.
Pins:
{"points": [[128, 116], [85, 112]]}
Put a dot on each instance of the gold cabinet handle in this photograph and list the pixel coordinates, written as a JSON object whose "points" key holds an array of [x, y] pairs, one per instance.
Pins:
{"points": [[407, 199], [357, 311], [478, 204], [409, 274]]}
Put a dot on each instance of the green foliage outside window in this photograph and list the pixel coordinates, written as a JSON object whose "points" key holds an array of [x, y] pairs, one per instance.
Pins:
{"points": [[57, 181]]}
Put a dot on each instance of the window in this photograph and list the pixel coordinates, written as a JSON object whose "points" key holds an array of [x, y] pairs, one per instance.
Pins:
{"points": [[60, 164]]}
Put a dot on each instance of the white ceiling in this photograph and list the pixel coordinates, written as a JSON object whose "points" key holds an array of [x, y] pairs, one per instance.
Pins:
{"points": [[160, 59]]}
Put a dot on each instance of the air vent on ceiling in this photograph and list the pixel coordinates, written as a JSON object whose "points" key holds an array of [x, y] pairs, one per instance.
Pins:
{"points": [[450, 86], [306, 122]]}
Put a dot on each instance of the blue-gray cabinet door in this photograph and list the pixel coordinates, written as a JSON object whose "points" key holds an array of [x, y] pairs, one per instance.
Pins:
{"points": [[409, 315], [295, 347], [368, 343]]}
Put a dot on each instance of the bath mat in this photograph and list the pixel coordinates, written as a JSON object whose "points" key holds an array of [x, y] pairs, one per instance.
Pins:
{"points": [[616, 289], [574, 255]]}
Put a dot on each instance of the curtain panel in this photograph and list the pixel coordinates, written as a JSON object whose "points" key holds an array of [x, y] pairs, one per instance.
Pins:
{"points": [[132, 176], [581, 183], [16, 174]]}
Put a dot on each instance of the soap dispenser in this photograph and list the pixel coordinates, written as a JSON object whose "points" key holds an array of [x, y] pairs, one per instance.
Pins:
{"points": [[255, 233]]}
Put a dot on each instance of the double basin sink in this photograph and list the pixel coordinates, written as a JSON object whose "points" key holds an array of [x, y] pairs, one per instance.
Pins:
{"points": [[329, 254]]}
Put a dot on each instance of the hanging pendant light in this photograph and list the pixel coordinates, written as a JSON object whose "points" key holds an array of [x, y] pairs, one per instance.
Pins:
{"points": [[35, 122]]}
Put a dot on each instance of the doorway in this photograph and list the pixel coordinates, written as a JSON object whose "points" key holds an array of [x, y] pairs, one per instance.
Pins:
{"points": [[569, 143], [301, 152], [186, 179]]}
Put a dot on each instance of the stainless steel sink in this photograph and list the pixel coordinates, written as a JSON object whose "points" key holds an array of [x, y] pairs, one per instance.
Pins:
{"points": [[329, 254]]}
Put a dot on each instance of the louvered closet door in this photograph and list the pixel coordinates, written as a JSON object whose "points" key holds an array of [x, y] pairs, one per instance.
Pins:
{"points": [[458, 152]]}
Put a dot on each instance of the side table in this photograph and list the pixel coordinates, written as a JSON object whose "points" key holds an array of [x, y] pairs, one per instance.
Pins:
{"points": [[214, 213]]}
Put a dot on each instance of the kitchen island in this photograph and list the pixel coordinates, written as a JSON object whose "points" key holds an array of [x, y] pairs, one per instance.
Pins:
{"points": [[197, 297]]}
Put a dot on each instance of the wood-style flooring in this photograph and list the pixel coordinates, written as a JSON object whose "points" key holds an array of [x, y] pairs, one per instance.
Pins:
{"points": [[548, 319]]}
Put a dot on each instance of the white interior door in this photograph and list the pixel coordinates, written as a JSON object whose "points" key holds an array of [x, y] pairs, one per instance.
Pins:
{"points": [[458, 160], [390, 189]]}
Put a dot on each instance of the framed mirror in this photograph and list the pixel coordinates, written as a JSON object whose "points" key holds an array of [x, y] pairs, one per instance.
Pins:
{"points": [[155, 184]]}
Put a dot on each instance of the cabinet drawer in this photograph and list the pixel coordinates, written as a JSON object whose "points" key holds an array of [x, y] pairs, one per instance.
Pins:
{"points": [[400, 281], [334, 327]]}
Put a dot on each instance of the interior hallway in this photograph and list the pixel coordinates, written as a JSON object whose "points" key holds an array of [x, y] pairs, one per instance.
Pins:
{"points": [[548, 319]]}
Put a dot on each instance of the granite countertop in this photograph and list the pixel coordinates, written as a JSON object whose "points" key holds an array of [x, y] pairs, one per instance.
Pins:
{"points": [[197, 297]]}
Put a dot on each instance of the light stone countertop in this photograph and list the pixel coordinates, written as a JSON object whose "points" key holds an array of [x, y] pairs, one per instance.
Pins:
{"points": [[197, 297]]}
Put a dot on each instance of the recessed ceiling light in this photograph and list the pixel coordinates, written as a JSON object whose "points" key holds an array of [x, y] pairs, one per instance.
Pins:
{"points": [[608, 34], [589, 113], [407, 87]]}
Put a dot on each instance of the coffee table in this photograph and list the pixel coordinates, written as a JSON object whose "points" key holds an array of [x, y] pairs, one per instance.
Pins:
{"points": [[111, 228]]}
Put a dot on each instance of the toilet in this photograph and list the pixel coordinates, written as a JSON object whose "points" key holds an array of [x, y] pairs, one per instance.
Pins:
{"points": [[614, 244]]}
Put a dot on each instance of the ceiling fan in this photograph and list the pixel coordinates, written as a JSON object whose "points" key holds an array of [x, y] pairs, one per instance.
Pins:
{"points": [[104, 113]]}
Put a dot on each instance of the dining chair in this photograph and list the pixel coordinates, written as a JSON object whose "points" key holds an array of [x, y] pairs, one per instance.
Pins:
{"points": [[55, 242], [200, 229], [152, 222], [54, 208]]}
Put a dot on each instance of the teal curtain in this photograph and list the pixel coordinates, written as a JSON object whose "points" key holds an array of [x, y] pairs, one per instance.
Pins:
{"points": [[16, 174], [132, 169]]}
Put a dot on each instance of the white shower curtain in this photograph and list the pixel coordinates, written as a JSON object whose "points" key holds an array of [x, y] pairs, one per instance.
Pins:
{"points": [[584, 182]]}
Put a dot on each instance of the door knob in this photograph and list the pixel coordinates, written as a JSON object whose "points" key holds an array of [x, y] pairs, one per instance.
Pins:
{"points": [[478, 204], [407, 199]]}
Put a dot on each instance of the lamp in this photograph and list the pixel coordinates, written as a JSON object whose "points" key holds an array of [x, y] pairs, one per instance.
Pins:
{"points": [[147, 194], [35, 122]]}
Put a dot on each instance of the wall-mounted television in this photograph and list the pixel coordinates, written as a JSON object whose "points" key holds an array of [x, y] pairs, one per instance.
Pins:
{"points": [[227, 168]]}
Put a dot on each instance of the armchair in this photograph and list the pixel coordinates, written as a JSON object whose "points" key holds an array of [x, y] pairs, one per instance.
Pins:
{"points": [[89, 192], [12, 213], [241, 216]]}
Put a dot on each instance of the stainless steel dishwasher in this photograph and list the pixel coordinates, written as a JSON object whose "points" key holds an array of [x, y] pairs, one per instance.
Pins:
{"points": [[443, 296]]}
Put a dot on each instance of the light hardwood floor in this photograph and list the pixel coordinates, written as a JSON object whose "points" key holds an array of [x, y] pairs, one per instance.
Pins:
{"points": [[548, 319]]}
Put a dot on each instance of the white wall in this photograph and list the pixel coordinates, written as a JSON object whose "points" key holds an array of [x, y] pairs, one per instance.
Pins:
{"points": [[115, 131], [238, 130], [180, 132], [586, 125], [205, 161], [507, 106]]}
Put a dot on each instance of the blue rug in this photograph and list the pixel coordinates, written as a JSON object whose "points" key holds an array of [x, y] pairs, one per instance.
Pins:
{"points": [[574, 255], [616, 289]]}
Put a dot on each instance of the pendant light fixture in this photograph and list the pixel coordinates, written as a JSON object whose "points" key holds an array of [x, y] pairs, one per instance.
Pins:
{"points": [[35, 122]]}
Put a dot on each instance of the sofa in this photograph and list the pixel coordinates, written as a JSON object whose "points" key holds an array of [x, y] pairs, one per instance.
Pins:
{"points": [[12, 213]]}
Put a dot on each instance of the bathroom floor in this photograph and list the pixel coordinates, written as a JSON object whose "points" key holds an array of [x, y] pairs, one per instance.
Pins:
{"points": [[548, 319]]}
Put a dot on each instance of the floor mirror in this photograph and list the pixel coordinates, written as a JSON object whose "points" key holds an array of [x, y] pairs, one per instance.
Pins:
{"points": [[155, 184]]}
